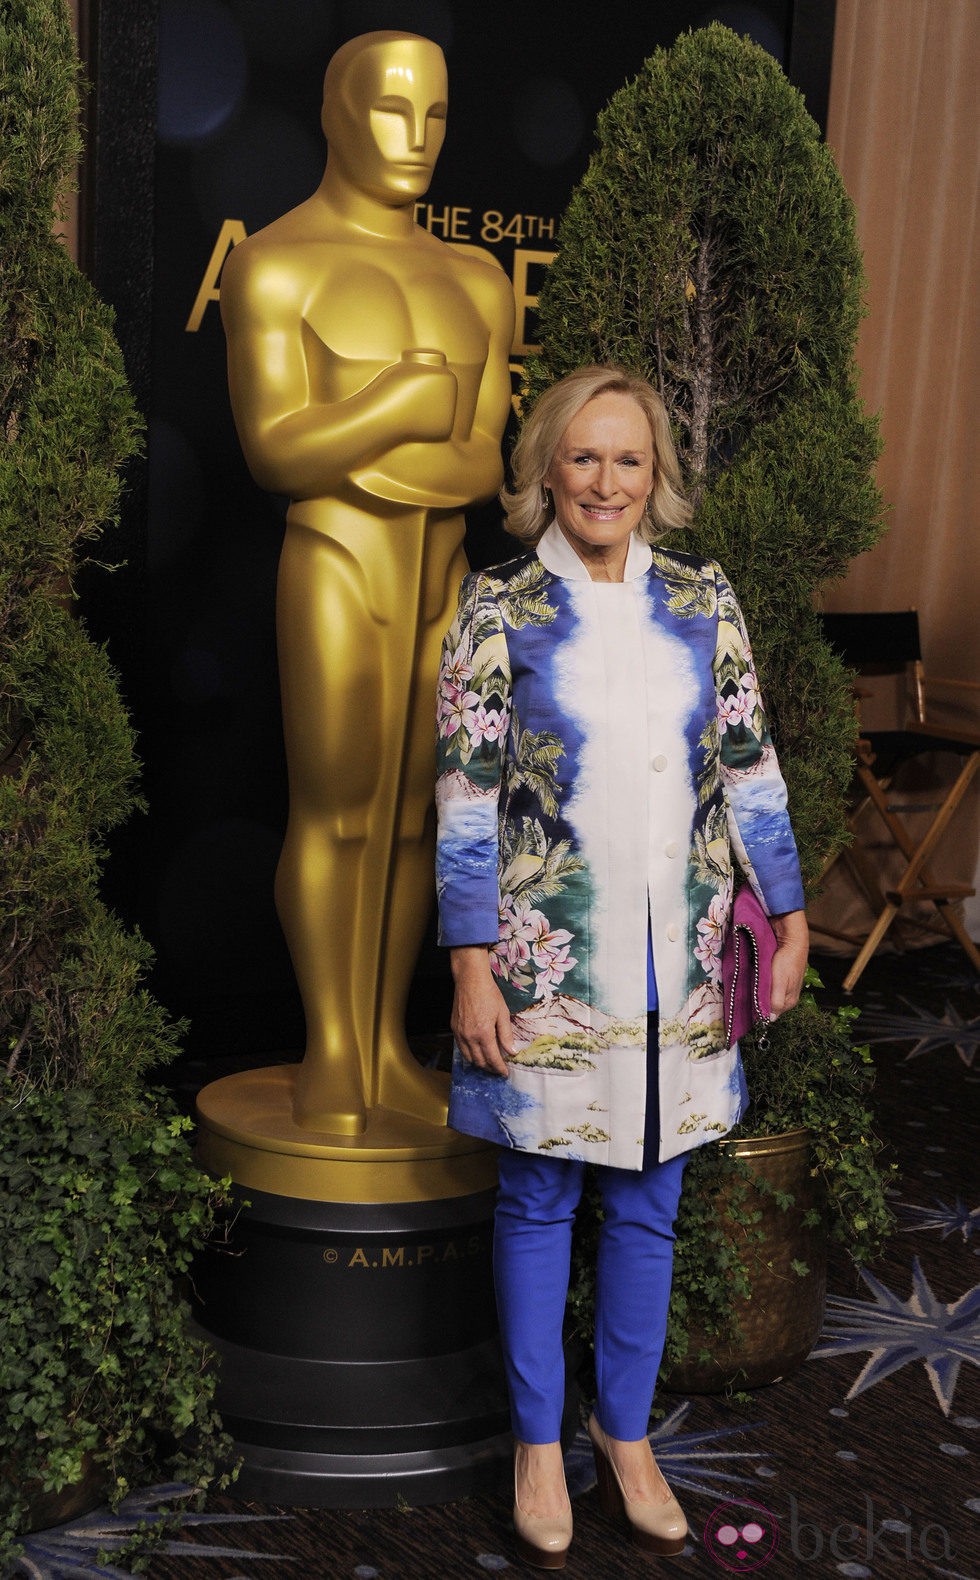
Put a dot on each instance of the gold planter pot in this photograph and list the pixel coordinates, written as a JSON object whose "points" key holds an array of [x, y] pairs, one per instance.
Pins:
{"points": [[48, 1509], [779, 1323]]}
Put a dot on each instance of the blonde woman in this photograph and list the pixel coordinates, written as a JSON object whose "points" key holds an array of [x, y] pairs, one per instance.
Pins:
{"points": [[604, 761]]}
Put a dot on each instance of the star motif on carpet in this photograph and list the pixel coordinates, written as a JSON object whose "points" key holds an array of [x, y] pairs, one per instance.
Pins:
{"points": [[70, 1551], [951, 1220], [929, 1031], [692, 1461], [898, 1332], [947, 966]]}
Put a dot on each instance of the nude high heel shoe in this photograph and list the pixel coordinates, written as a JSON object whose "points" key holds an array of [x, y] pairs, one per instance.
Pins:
{"points": [[540, 1541], [654, 1527]]}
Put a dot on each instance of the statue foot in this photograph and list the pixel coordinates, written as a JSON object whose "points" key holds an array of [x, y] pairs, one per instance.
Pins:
{"points": [[406, 1086], [326, 1100]]}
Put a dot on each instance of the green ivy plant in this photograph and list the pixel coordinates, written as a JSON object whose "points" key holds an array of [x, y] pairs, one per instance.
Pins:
{"points": [[99, 1226], [817, 1081], [711, 246], [100, 1203]]}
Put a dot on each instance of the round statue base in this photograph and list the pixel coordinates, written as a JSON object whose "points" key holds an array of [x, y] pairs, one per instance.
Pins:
{"points": [[352, 1305], [247, 1130]]}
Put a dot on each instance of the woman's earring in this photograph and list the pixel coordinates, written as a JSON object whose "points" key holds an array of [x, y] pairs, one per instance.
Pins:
{"points": [[545, 499]]}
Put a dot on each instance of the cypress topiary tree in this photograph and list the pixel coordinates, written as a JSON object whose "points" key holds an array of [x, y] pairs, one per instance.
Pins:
{"points": [[100, 1205], [72, 1011], [711, 247]]}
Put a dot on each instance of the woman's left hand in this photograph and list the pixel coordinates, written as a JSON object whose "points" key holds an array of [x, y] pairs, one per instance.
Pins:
{"points": [[789, 961]]}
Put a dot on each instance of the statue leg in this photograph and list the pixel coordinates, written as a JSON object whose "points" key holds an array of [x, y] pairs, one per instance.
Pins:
{"points": [[401, 1081], [331, 684]]}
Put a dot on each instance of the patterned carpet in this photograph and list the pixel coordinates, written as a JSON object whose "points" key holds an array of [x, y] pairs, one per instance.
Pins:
{"points": [[862, 1464]]}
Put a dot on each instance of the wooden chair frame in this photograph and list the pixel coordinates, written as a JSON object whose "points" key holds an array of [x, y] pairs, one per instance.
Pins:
{"points": [[886, 644]]}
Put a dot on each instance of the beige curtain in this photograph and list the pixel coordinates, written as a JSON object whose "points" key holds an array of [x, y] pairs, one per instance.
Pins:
{"points": [[903, 126]]}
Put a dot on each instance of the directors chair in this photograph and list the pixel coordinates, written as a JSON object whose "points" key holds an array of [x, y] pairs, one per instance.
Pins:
{"points": [[888, 644]]}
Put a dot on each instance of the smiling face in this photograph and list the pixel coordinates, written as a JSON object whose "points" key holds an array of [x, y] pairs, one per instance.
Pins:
{"points": [[600, 477], [386, 119]]}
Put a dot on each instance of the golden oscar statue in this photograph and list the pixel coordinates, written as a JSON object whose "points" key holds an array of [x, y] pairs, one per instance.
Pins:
{"points": [[368, 371], [368, 368]]}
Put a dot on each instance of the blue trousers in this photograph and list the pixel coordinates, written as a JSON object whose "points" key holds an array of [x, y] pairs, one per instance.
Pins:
{"points": [[535, 1211]]}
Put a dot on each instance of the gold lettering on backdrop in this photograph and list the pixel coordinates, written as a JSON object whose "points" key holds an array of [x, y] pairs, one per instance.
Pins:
{"points": [[230, 234], [451, 222], [524, 261], [518, 228]]}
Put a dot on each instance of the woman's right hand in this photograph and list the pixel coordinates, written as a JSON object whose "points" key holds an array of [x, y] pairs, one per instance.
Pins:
{"points": [[480, 1019]]}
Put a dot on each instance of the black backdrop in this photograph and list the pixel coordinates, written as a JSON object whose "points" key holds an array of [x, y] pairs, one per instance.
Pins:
{"points": [[204, 124]]}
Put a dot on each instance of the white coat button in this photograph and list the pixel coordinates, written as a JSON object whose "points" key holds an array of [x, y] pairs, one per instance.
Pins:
{"points": [[660, 763], [670, 849], [673, 932]]}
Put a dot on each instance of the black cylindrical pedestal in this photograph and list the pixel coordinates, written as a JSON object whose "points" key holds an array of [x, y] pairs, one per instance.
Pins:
{"points": [[360, 1363]]}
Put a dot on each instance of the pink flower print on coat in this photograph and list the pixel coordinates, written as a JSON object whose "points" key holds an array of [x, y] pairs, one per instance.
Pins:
{"points": [[549, 951], [490, 724], [528, 943], [456, 670], [511, 955], [457, 711], [741, 706], [748, 684], [711, 933], [553, 970]]}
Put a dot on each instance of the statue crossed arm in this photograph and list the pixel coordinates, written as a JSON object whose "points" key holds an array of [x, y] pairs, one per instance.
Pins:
{"points": [[369, 379]]}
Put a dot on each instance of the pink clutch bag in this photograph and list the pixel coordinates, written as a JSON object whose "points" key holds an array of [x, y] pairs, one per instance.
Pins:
{"points": [[746, 967]]}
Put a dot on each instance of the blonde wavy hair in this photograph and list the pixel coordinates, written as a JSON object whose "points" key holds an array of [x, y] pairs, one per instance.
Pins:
{"points": [[530, 511]]}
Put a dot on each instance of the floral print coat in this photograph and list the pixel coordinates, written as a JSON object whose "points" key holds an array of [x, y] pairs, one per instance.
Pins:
{"points": [[603, 756]]}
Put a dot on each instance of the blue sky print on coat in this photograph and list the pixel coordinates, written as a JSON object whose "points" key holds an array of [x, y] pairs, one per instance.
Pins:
{"points": [[510, 1108], [898, 1332]]}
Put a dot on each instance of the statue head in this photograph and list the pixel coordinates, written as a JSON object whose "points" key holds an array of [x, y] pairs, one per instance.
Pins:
{"points": [[384, 114]]}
